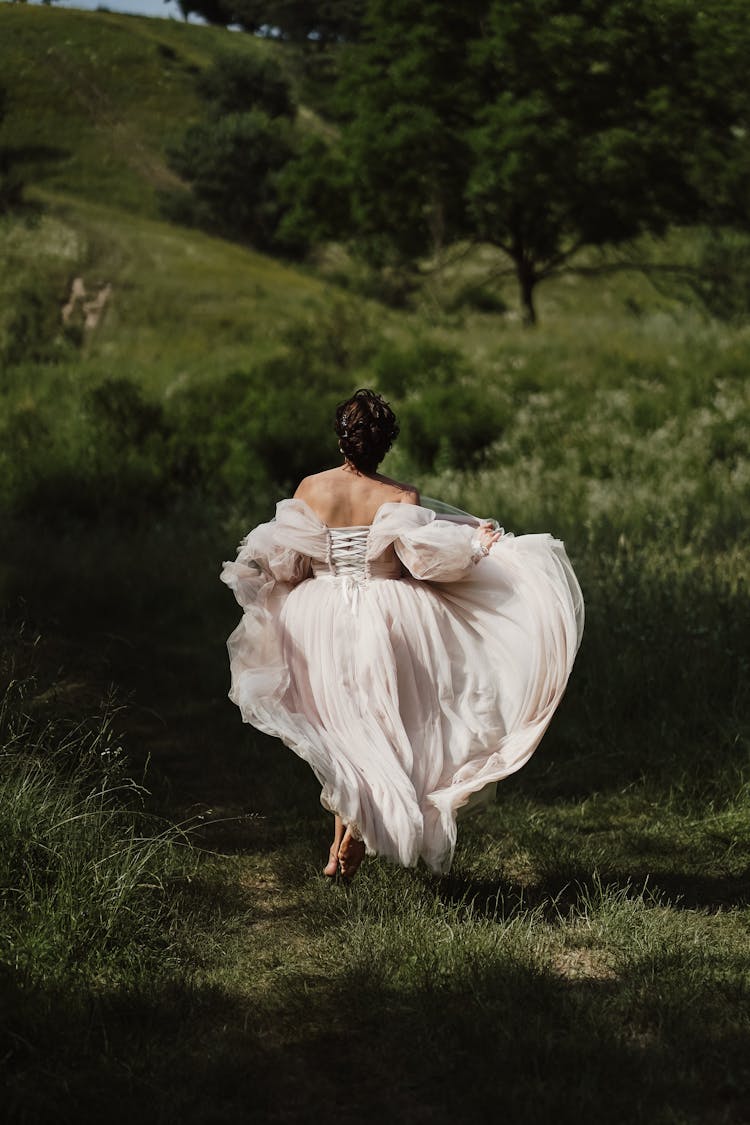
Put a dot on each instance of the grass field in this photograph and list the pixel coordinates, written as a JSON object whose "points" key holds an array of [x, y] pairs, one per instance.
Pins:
{"points": [[172, 953]]}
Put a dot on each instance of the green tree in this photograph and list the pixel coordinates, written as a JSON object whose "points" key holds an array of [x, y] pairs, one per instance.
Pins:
{"points": [[314, 192], [315, 21], [411, 102], [543, 126], [598, 124]]}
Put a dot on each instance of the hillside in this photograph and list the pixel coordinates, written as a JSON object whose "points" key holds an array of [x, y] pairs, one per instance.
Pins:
{"points": [[94, 97]]}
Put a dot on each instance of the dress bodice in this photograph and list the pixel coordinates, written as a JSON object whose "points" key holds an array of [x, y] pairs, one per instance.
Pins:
{"points": [[348, 553], [348, 557], [403, 539]]}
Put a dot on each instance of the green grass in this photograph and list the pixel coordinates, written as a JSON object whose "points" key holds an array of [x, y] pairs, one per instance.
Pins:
{"points": [[586, 959], [94, 98]]}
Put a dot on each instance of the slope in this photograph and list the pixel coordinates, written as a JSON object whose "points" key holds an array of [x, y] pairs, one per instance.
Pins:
{"points": [[95, 97]]}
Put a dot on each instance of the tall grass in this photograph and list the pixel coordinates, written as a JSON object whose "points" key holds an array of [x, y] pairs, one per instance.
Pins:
{"points": [[84, 870]]}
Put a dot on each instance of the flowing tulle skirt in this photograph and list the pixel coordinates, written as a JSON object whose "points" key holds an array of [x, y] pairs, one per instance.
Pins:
{"points": [[409, 698]]}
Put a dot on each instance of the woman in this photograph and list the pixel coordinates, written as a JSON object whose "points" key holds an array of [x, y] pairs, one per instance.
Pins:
{"points": [[412, 661]]}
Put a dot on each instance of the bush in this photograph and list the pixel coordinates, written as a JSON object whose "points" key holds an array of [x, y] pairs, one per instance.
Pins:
{"points": [[400, 369], [30, 328], [313, 190], [237, 82], [450, 427], [230, 164], [270, 427], [120, 453], [11, 182]]}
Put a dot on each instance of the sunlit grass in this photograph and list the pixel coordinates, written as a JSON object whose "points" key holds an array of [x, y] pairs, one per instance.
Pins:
{"points": [[95, 98]]}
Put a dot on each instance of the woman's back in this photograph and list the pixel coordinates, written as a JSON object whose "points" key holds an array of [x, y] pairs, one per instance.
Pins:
{"points": [[343, 497]]}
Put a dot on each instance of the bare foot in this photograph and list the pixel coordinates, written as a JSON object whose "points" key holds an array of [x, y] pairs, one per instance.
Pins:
{"points": [[332, 867], [351, 854]]}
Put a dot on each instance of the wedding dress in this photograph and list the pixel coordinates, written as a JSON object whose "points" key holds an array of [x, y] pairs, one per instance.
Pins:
{"points": [[410, 680]]}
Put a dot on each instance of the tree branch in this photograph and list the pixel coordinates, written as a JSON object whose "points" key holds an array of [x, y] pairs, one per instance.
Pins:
{"points": [[679, 268]]}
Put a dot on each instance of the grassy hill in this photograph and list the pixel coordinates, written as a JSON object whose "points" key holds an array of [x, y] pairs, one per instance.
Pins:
{"points": [[94, 97], [586, 958]]}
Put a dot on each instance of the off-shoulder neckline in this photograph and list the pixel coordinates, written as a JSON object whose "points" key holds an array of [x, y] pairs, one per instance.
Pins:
{"points": [[354, 526]]}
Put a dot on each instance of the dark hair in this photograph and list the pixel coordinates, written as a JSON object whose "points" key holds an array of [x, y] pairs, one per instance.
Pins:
{"points": [[367, 427]]}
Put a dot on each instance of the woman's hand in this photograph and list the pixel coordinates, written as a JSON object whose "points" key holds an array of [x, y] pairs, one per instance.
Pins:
{"points": [[487, 534]]}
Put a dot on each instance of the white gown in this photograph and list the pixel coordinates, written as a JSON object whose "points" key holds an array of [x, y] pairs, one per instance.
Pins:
{"points": [[409, 684]]}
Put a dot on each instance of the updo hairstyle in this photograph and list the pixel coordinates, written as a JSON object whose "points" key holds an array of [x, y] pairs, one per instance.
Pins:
{"points": [[367, 428]]}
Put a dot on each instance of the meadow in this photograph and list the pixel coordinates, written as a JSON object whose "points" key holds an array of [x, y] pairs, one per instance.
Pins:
{"points": [[169, 950]]}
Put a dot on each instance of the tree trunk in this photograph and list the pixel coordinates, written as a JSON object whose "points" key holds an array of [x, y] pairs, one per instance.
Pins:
{"points": [[527, 280]]}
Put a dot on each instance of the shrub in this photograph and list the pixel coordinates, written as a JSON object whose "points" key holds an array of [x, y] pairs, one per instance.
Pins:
{"points": [[269, 427], [722, 280], [11, 182], [400, 369], [313, 190], [237, 82], [230, 164], [450, 427], [30, 328]]}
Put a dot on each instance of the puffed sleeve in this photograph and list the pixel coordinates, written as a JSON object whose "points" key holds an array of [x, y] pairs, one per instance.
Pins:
{"points": [[432, 550], [279, 551]]}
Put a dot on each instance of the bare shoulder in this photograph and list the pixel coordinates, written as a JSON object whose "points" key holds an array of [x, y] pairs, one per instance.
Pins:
{"points": [[313, 485], [410, 495], [402, 493]]}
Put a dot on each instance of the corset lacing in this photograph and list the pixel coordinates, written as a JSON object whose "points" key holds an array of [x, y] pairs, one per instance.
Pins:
{"points": [[347, 561]]}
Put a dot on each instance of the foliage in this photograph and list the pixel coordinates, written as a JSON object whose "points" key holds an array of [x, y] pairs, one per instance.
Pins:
{"points": [[581, 147], [230, 164], [549, 136], [237, 82], [406, 144], [32, 291], [313, 191], [221, 440], [450, 426], [297, 20], [233, 159], [720, 277]]}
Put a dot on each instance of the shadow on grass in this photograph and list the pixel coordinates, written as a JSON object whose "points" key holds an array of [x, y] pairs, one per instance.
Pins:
{"points": [[558, 895], [504, 1042]]}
